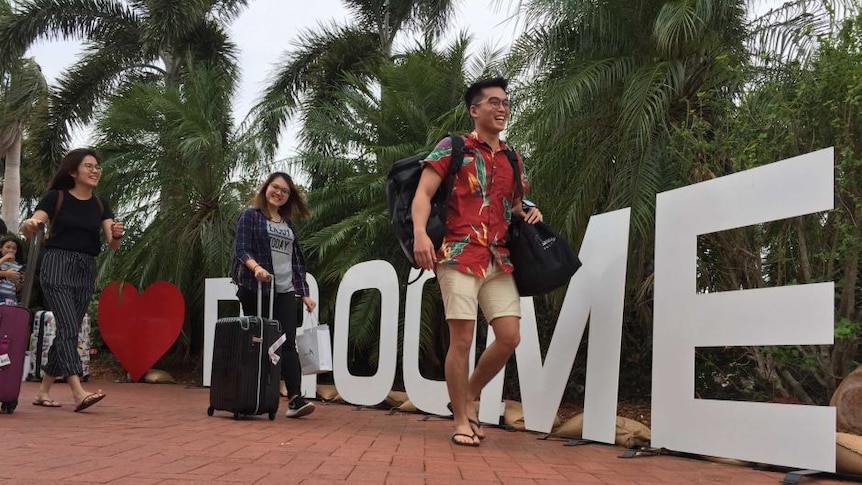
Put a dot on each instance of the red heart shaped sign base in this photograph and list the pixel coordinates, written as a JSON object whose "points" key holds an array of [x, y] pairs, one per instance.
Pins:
{"points": [[138, 328]]}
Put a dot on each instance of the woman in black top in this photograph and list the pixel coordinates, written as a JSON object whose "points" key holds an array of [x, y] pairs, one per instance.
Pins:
{"points": [[77, 217]]}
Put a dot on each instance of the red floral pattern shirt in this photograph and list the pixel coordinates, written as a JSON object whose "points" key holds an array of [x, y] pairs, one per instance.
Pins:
{"points": [[481, 206]]}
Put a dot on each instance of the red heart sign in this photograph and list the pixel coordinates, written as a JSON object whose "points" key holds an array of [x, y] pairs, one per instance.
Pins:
{"points": [[139, 329]]}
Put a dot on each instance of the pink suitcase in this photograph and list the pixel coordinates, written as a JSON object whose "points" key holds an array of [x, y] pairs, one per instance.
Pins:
{"points": [[15, 333], [14, 340]]}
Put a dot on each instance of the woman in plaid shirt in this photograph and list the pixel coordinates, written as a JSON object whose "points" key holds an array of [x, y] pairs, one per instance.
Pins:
{"points": [[267, 246]]}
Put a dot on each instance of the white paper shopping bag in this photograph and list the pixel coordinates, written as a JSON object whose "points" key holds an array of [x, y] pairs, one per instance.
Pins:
{"points": [[315, 350]]}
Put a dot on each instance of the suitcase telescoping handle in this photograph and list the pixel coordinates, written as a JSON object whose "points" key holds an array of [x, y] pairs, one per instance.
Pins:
{"points": [[32, 258], [244, 322], [271, 297]]}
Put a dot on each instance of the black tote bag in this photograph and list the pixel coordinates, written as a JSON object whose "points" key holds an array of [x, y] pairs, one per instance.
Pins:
{"points": [[543, 261]]}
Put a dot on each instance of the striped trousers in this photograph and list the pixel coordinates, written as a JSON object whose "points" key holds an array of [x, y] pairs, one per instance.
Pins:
{"points": [[67, 279]]}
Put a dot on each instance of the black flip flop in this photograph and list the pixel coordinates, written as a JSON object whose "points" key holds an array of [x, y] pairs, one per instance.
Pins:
{"points": [[471, 444], [473, 422]]}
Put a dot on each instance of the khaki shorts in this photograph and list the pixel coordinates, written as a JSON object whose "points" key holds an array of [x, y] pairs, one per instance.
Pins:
{"points": [[462, 293]]}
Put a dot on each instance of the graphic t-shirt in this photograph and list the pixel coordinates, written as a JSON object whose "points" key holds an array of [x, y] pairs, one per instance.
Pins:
{"points": [[281, 246]]}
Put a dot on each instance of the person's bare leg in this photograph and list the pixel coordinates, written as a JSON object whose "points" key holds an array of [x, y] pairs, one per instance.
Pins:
{"points": [[457, 368], [507, 336], [78, 392], [44, 392]]}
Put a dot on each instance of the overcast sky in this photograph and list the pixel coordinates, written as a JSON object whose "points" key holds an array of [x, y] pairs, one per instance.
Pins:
{"points": [[269, 28]]}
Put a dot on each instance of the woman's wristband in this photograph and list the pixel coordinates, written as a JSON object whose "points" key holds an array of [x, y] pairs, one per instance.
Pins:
{"points": [[254, 267]]}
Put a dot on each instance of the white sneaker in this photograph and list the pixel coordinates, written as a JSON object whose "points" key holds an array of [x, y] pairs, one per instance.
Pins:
{"points": [[298, 407]]}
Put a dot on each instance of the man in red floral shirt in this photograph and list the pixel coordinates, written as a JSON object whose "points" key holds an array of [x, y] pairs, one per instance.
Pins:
{"points": [[473, 266]]}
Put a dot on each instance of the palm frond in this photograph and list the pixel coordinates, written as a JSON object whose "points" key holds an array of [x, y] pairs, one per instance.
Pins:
{"points": [[61, 19], [20, 91], [790, 32], [310, 74], [78, 94]]}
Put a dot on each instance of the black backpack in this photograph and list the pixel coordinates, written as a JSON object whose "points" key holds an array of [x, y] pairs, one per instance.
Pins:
{"points": [[401, 186]]}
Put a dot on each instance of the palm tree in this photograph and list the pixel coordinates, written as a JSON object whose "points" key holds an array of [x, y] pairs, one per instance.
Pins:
{"points": [[618, 96], [310, 77], [604, 86], [417, 101], [23, 92], [612, 78], [147, 126], [794, 108], [124, 40]]}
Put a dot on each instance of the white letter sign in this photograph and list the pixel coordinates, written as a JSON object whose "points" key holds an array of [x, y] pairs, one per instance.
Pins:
{"points": [[367, 391], [595, 293], [780, 434]]}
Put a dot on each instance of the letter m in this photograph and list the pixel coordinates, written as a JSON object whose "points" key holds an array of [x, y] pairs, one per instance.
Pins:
{"points": [[596, 294]]}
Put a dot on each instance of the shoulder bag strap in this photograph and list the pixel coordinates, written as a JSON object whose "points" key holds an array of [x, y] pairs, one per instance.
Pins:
{"points": [[516, 169]]}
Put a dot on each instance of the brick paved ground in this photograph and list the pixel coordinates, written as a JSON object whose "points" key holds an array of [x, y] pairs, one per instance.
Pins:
{"points": [[160, 434]]}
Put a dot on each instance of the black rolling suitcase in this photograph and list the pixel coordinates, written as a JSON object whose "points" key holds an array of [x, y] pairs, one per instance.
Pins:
{"points": [[244, 378]]}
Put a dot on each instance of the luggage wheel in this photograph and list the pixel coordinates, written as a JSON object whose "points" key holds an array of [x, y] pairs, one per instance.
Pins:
{"points": [[210, 411], [271, 415]]}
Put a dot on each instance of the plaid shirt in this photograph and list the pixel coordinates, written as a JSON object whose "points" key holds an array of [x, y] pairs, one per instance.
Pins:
{"points": [[252, 242]]}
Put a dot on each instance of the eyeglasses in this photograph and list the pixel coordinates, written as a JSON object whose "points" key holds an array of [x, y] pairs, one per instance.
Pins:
{"points": [[92, 167], [495, 102], [283, 190]]}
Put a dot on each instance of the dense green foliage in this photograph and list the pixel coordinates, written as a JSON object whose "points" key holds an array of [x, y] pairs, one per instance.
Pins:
{"points": [[613, 103]]}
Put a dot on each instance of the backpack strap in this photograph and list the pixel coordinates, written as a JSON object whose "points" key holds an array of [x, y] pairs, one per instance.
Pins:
{"points": [[457, 159], [59, 203], [57, 206], [101, 205]]}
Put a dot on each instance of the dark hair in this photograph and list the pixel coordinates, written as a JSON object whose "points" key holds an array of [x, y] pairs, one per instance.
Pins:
{"points": [[474, 93], [10, 237], [295, 205], [63, 178], [14, 238]]}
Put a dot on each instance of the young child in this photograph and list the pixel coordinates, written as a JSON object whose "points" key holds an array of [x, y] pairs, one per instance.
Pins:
{"points": [[11, 274]]}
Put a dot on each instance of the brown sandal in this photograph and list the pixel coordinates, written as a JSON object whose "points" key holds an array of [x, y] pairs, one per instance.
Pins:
{"points": [[88, 401]]}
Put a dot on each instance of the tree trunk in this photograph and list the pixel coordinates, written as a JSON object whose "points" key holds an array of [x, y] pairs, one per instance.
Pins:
{"points": [[12, 183], [804, 262], [170, 166]]}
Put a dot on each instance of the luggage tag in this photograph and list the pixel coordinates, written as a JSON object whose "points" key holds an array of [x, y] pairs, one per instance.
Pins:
{"points": [[273, 357], [4, 352]]}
